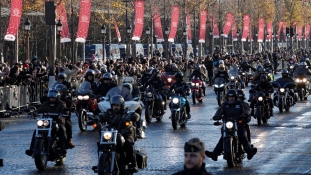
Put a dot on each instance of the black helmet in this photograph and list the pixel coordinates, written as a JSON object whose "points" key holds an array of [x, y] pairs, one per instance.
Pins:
{"points": [[62, 89], [262, 70], [231, 93], [97, 73], [53, 94], [117, 100], [90, 72], [241, 94], [284, 73], [107, 76], [179, 77], [62, 76], [155, 72], [263, 78]]}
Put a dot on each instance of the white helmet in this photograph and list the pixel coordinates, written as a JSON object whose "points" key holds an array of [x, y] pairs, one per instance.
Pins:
{"points": [[128, 85], [128, 80]]}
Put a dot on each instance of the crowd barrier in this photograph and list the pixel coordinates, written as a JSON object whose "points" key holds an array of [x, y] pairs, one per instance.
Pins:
{"points": [[13, 98]]}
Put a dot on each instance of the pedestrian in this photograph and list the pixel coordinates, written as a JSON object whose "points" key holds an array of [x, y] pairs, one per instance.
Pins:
{"points": [[194, 158]]}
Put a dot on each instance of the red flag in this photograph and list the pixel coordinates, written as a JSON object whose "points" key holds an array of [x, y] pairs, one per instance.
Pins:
{"points": [[234, 30], [139, 20], [261, 29], [157, 25], [284, 30], [15, 19], [299, 31], [269, 31], [246, 22], [203, 16], [250, 35], [117, 29], [61, 13], [188, 28], [84, 20], [174, 23], [228, 24], [279, 30], [214, 26], [307, 31]]}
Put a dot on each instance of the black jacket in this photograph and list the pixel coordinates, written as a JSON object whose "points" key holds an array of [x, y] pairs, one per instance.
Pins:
{"points": [[180, 88], [102, 89], [201, 171], [230, 110]]}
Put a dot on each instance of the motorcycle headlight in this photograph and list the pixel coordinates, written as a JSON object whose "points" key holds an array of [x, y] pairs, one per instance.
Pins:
{"points": [[291, 67], [175, 100], [216, 86], [304, 80], [229, 125], [40, 122], [197, 84], [86, 97], [169, 80], [260, 98], [80, 97], [46, 122], [282, 89], [192, 84], [297, 80], [107, 135], [232, 77], [243, 73], [149, 94], [222, 85]]}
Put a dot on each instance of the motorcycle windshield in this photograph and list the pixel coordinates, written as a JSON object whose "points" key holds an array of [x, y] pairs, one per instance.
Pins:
{"points": [[168, 73], [284, 84], [55, 84], [234, 71], [219, 80], [84, 88], [119, 90]]}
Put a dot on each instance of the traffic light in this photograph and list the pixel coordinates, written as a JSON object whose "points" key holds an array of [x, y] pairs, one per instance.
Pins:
{"points": [[287, 31], [291, 32]]}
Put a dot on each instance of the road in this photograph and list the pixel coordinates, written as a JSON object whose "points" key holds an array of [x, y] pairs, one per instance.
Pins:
{"points": [[283, 144]]}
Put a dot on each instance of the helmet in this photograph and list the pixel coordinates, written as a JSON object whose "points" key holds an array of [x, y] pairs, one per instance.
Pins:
{"points": [[221, 62], [307, 59], [268, 62], [90, 72], [303, 64], [231, 93], [107, 76], [296, 65], [128, 80], [97, 73], [174, 65], [62, 76], [53, 94], [262, 70], [241, 94], [155, 72], [129, 86], [263, 78], [149, 70], [117, 100], [284, 73], [179, 77], [103, 70], [62, 89], [259, 67]]}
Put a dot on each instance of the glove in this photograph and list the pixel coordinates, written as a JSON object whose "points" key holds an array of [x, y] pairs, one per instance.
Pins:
{"points": [[216, 118]]}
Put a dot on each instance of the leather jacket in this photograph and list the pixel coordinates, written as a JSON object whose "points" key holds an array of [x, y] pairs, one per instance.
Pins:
{"points": [[180, 88]]}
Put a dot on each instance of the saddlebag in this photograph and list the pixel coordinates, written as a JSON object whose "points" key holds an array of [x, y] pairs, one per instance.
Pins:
{"points": [[141, 159]]}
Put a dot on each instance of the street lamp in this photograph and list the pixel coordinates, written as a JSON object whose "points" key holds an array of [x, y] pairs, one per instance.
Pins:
{"points": [[128, 31], [27, 26], [59, 28], [211, 33], [148, 40], [167, 32], [185, 35], [103, 31]]}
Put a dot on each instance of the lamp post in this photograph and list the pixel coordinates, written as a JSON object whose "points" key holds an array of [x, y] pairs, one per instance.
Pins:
{"points": [[185, 36], [59, 28], [148, 41], [103, 31], [211, 33], [128, 31], [27, 26], [167, 32]]}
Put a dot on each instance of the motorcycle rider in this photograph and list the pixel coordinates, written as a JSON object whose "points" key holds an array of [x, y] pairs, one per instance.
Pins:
{"points": [[182, 88], [198, 73], [286, 78], [302, 69], [114, 116], [105, 85], [221, 72], [157, 82], [146, 76], [54, 105], [61, 77], [265, 86], [233, 107]]}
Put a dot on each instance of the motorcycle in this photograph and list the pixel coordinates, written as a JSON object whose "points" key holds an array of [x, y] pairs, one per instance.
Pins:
{"points": [[302, 84], [219, 88], [178, 111], [169, 78], [112, 155], [233, 150], [85, 106], [197, 90], [245, 77], [262, 112], [46, 147], [281, 98], [153, 104], [234, 79], [290, 68], [1, 125]]}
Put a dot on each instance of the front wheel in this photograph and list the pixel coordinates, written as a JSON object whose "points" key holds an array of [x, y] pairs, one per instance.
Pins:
{"points": [[82, 120], [281, 105], [193, 97], [301, 94], [148, 112], [175, 119], [40, 154], [104, 163], [229, 152], [258, 116], [219, 98]]}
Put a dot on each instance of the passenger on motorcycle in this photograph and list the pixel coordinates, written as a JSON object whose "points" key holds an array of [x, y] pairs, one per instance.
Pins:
{"points": [[61, 77], [157, 82], [198, 73], [90, 77], [265, 86], [233, 107], [53, 105], [221, 72], [308, 63], [182, 88], [105, 85], [97, 77], [114, 116]]}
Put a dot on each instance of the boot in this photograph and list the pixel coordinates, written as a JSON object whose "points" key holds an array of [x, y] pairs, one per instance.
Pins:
{"points": [[211, 155], [29, 152], [70, 144], [252, 113], [271, 112], [188, 115], [251, 153]]}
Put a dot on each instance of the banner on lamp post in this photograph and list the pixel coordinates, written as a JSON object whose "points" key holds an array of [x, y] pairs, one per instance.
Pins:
{"points": [[174, 23], [15, 19], [117, 29], [261, 29], [234, 30], [307, 31], [246, 22], [188, 29], [203, 16], [214, 26], [84, 20], [299, 31], [279, 29], [139, 20], [228, 24], [62, 15], [157, 25], [269, 31]]}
